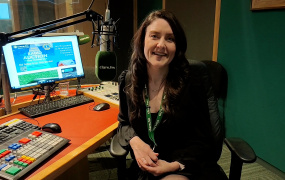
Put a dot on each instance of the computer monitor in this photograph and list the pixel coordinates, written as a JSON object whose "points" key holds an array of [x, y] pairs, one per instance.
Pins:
{"points": [[38, 61]]}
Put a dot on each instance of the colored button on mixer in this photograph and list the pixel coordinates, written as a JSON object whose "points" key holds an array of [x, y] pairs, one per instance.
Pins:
{"points": [[37, 133], [2, 166], [6, 152], [28, 162], [14, 146], [9, 158], [13, 170], [24, 140], [25, 164]]}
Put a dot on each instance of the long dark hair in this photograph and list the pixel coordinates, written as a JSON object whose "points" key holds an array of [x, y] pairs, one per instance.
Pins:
{"points": [[178, 68]]}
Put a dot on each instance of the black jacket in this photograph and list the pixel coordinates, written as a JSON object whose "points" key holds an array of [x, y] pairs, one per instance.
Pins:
{"points": [[192, 136]]}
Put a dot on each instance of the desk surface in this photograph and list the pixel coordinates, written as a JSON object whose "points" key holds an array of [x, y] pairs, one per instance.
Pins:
{"points": [[87, 129]]}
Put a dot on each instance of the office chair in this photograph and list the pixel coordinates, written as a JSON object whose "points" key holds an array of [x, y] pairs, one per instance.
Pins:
{"points": [[241, 152]]}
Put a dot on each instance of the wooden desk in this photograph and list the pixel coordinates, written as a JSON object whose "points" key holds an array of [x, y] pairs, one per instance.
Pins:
{"points": [[86, 129]]}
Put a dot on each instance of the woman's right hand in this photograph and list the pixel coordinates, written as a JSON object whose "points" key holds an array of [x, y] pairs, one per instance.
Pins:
{"points": [[143, 153]]}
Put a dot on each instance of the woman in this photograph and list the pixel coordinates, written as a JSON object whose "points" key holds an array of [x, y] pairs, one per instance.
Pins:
{"points": [[164, 114]]}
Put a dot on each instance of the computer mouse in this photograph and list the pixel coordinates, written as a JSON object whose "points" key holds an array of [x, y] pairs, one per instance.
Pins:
{"points": [[101, 107], [52, 128]]}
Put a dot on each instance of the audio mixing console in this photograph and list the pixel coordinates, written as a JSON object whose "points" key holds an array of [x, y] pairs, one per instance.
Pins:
{"points": [[105, 92], [23, 146]]}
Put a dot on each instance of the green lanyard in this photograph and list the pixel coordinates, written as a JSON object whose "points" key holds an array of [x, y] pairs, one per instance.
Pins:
{"points": [[148, 117]]}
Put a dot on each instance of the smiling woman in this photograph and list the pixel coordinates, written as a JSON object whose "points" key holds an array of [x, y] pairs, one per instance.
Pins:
{"points": [[159, 44], [164, 115], [159, 51]]}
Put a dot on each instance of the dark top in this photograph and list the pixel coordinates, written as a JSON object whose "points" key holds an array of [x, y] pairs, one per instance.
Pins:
{"points": [[189, 136]]}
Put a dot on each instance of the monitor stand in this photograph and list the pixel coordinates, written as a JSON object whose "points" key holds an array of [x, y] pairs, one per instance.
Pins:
{"points": [[48, 89], [78, 86]]}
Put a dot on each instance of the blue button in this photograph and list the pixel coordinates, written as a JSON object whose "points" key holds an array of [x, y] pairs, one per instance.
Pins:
{"points": [[9, 158], [12, 156], [2, 166]]}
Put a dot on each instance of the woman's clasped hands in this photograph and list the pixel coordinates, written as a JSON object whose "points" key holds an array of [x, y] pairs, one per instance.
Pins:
{"points": [[148, 160], [143, 153]]}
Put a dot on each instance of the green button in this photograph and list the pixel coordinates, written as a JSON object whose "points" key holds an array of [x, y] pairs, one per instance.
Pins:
{"points": [[3, 150], [25, 164], [13, 170], [16, 162]]}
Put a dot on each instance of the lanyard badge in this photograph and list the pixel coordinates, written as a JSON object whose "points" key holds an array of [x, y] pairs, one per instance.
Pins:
{"points": [[148, 117]]}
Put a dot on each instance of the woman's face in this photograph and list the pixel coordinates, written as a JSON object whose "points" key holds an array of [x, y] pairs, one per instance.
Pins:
{"points": [[159, 43]]}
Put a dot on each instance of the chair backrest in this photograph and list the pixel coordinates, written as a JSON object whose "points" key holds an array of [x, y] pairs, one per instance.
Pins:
{"points": [[219, 79]]}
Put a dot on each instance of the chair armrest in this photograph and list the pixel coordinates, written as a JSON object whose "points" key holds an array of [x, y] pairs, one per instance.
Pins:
{"points": [[116, 150], [241, 152], [241, 149]]}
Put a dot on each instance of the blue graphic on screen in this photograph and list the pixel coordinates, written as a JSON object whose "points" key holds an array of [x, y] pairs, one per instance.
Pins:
{"points": [[31, 57]]}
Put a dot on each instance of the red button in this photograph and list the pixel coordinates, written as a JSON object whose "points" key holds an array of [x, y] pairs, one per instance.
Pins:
{"points": [[24, 140], [28, 162], [6, 152], [37, 133]]}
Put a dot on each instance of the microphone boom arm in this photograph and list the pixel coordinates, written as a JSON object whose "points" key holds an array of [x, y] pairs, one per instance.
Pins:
{"points": [[89, 16]]}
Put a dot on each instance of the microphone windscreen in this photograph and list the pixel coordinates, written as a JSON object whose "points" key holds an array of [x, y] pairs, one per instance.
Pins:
{"points": [[83, 39], [106, 65]]}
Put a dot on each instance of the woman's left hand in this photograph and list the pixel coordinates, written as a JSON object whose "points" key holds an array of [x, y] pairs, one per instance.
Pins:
{"points": [[162, 167]]}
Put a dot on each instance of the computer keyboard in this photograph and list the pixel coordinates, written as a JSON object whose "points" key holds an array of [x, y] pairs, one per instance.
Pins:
{"points": [[54, 106], [23, 146]]}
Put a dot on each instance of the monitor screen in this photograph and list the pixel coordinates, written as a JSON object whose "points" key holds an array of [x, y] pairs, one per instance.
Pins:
{"points": [[35, 61]]}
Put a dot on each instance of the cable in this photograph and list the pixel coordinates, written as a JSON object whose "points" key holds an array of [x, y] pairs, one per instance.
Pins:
{"points": [[94, 34], [92, 106], [33, 120], [52, 92], [90, 5], [39, 99], [15, 97]]}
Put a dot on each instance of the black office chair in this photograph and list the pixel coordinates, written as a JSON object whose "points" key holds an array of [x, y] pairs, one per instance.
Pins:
{"points": [[241, 152]]}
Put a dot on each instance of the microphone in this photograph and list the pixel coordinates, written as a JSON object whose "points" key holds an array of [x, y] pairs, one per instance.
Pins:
{"points": [[106, 60], [83, 39], [105, 65]]}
